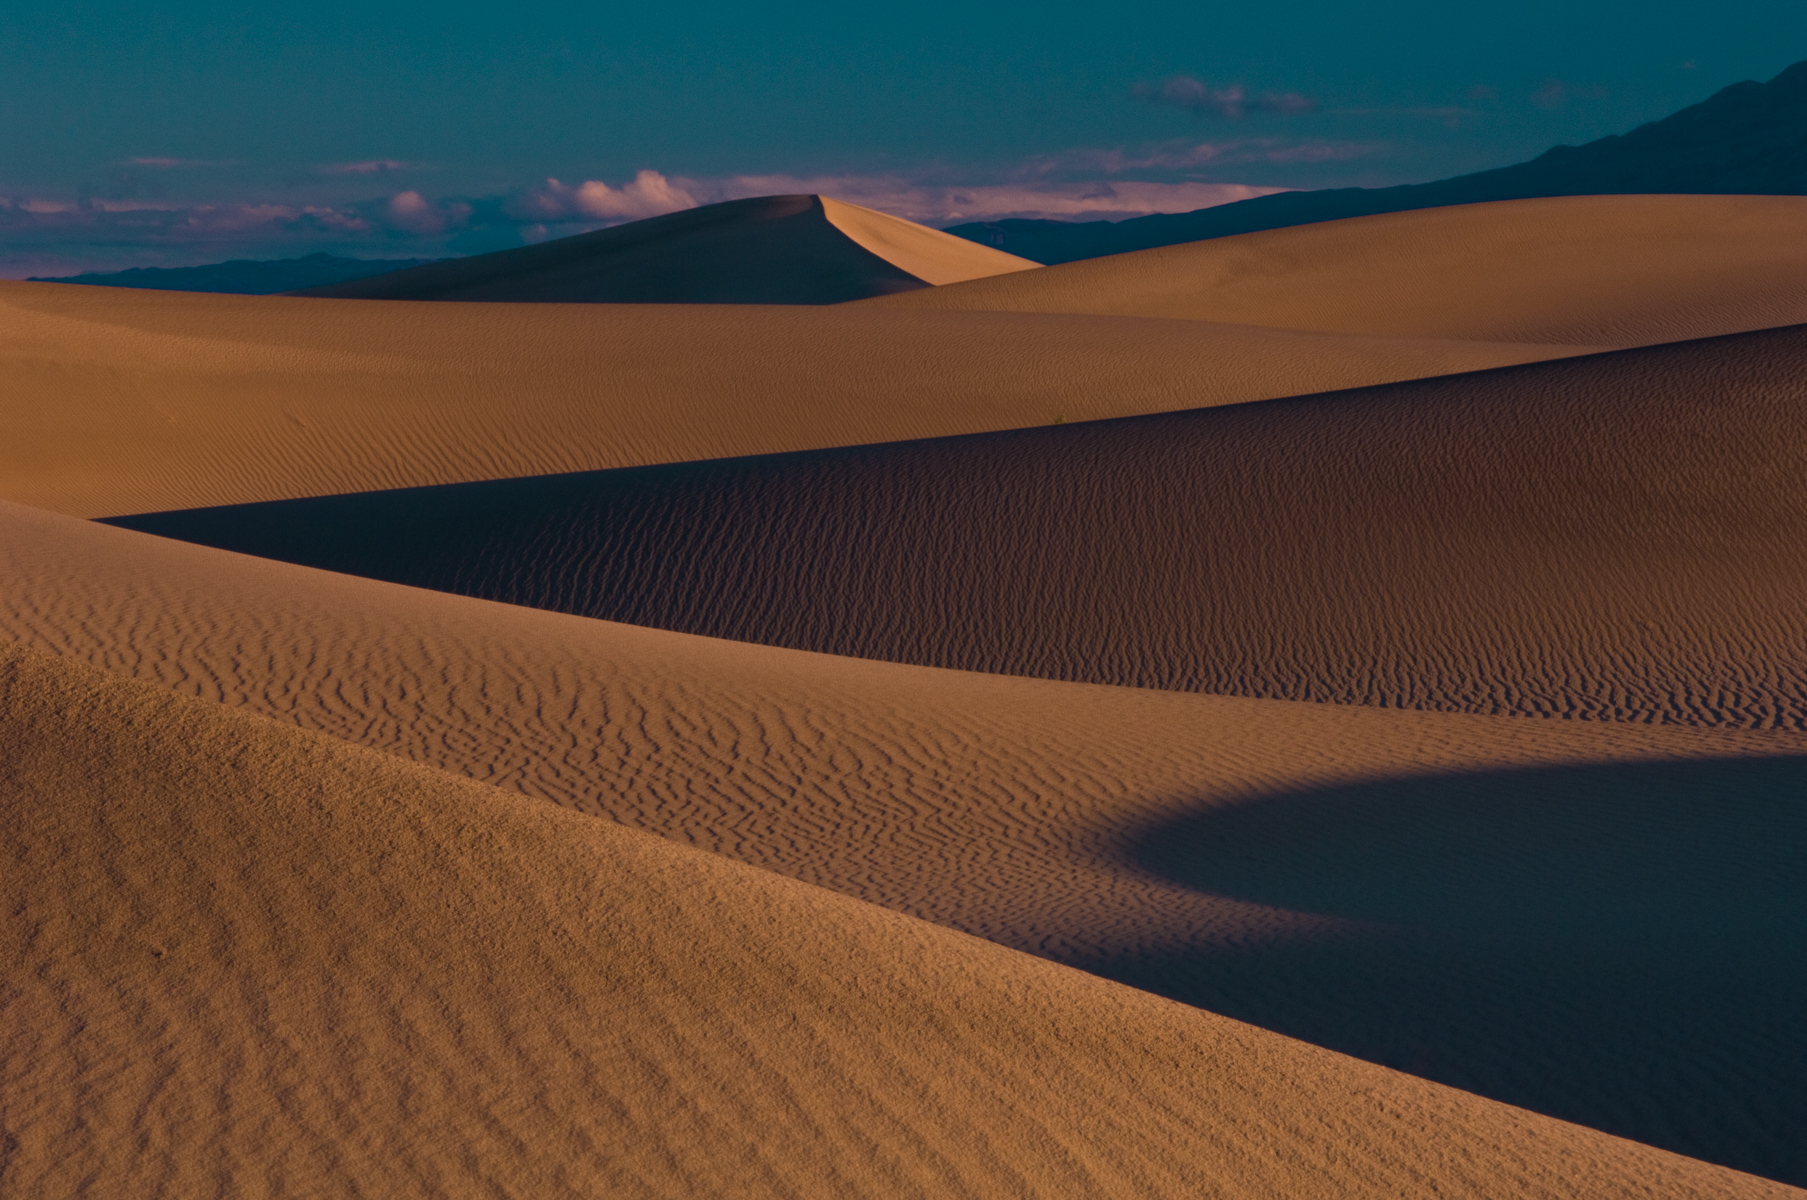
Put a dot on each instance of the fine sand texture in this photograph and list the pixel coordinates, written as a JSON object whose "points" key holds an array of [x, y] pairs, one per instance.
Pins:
{"points": [[1593, 920], [768, 250], [121, 401], [1616, 537], [245, 960], [1589, 270]]}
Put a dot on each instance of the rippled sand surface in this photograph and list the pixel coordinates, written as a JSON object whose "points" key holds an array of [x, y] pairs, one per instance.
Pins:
{"points": [[1474, 870]]}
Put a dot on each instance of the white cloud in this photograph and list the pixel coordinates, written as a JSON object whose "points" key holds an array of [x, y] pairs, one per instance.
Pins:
{"points": [[649, 195], [413, 213]]}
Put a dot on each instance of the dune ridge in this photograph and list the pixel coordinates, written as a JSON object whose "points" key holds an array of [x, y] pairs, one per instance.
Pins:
{"points": [[766, 250], [1617, 537], [1021, 810], [123, 401], [1615, 271], [927, 254]]}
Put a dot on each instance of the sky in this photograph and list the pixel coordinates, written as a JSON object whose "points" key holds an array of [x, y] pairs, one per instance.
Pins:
{"points": [[192, 131]]}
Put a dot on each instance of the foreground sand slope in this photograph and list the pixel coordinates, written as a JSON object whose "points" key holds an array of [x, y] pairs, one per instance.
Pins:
{"points": [[766, 250], [1591, 270], [1620, 537], [121, 401], [246, 960], [1171, 840]]}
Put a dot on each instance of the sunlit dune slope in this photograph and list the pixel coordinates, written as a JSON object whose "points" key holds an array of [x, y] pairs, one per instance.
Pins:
{"points": [[246, 960], [122, 401], [768, 250], [1592, 270], [1593, 920], [1617, 537], [927, 254]]}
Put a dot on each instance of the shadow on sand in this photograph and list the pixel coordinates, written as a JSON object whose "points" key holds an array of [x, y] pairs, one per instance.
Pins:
{"points": [[1621, 946]]}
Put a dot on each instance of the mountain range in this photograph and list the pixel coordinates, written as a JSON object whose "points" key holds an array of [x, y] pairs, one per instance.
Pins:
{"points": [[1746, 139]]}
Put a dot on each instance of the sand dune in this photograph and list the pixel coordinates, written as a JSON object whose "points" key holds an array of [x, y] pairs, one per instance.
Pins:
{"points": [[1619, 537], [120, 401], [1590, 270], [1034, 814], [769, 250], [286, 911], [249, 961]]}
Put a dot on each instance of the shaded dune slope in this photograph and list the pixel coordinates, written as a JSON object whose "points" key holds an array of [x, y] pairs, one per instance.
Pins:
{"points": [[119, 401], [247, 960], [768, 250], [1590, 270], [1174, 841], [1618, 537]]}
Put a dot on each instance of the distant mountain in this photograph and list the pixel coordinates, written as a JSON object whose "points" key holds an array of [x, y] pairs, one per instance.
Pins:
{"points": [[246, 277], [800, 249], [1747, 139]]}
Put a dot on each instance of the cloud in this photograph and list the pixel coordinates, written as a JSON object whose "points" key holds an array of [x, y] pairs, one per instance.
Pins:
{"points": [[52, 235], [649, 195], [375, 166], [411, 212], [1183, 155], [1232, 102]]}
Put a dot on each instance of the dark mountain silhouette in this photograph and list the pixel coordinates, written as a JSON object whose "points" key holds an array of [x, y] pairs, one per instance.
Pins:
{"points": [[244, 276], [1747, 139]]}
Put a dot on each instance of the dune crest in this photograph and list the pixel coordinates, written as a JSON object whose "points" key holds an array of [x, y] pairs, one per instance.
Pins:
{"points": [[1618, 537], [1589, 270], [932, 256]]}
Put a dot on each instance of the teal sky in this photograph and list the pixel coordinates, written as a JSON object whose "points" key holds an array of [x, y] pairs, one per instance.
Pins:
{"points": [[334, 105]]}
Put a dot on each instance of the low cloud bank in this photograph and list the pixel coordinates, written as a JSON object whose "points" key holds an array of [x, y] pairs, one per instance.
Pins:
{"points": [[47, 235]]}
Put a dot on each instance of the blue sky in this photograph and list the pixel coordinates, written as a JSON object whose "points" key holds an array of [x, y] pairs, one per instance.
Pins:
{"points": [[184, 132]]}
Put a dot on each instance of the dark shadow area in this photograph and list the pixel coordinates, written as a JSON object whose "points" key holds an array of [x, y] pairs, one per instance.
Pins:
{"points": [[1568, 538], [1620, 946]]}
